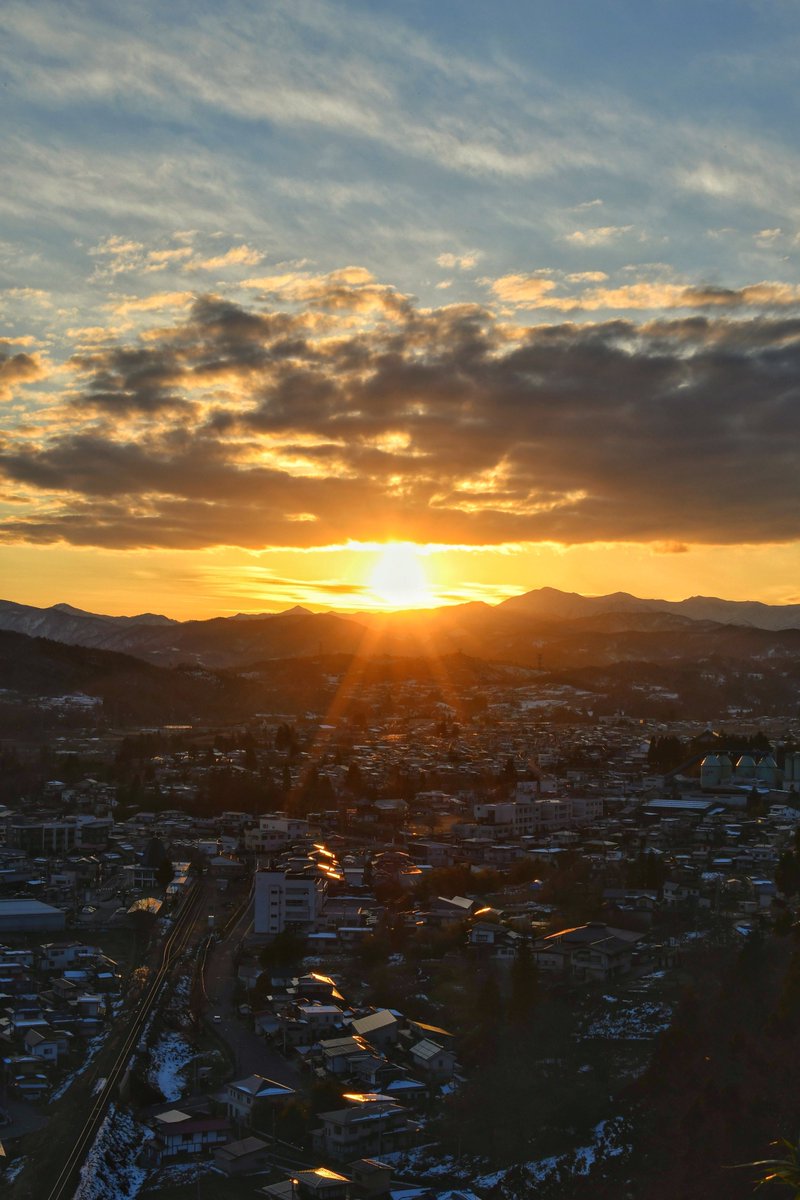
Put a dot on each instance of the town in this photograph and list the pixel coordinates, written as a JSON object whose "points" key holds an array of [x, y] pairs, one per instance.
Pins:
{"points": [[417, 949]]}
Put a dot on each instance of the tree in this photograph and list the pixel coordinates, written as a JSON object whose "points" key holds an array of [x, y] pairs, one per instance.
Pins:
{"points": [[787, 873], [164, 873], [524, 985], [285, 950]]}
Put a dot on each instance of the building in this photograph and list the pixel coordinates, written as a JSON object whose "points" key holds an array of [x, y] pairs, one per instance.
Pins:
{"points": [[242, 1095], [595, 951], [30, 916], [275, 833], [178, 1132], [245, 1157], [286, 900], [433, 1061], [319, 1183], [364, 1130]]}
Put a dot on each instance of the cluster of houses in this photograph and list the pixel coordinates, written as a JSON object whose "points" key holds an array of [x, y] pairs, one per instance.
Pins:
{"points": [[385, 1068], [53, 1001]]}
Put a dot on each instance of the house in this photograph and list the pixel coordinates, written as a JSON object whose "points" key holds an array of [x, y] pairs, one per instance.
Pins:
{"points": [[364, 1130], [320, 1183], [244, 1157], [320, 1017], [315, 987], [593, 951], [380, 1028], [433, 1061], [443, 1036], [178, 1132], [44, 1044], [370, 1177], [490, 933], [241, 1096], [24, 1075], [339, 1054], [444, 910], [607, 958]]}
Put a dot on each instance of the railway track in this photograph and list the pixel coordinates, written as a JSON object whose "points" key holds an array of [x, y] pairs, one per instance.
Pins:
{"points": [[172, 947]]}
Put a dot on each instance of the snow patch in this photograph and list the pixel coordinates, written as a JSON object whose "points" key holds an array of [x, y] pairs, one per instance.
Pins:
{"points": [[169, 1057], [609, 1141], [110, 1171]]}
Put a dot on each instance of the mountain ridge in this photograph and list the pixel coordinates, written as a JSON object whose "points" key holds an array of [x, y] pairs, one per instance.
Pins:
{"points": [[521, 629]]}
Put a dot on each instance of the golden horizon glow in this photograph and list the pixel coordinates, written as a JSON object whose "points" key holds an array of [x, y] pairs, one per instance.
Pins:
{"points": [[399, 579], [222, 581]]}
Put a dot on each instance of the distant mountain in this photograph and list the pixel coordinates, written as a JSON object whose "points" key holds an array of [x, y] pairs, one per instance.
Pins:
{"points": [[141, 619], [543, 628], [295, 611], [219, 642], [560, 606]]}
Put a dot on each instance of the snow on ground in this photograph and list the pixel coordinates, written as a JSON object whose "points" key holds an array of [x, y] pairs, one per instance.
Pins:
{"points": [[609, 1141], [180, 1174], [630, 1020], [14, 1170], [168, 1058], [110, 1171]]}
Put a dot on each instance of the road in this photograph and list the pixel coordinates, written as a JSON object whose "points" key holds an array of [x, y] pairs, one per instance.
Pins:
{"points": [[252, 1054]]}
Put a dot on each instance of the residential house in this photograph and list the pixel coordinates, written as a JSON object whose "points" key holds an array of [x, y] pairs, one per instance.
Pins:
{"points": [[586, 952], [319, 1183], [364, 1130], [242, 1095], [44, 1044], [433, 1061], [178, 1132], [243, 1157], [380, 1028]]}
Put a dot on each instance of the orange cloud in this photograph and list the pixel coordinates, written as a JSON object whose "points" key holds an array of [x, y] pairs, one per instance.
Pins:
{"points": [[237, 256], [253, 426]]}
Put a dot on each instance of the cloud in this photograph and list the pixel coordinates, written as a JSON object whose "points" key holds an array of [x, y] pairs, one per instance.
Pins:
{"points": [[254, 427], [17, 369], [350, 289], [463, 261], [530, 292], [599, 236], [117, 255], [525, 291], [155, 302], [237, 256]]}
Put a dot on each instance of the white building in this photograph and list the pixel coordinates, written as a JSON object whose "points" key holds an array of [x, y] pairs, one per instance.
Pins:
{"points": [[275, 833], [286, 900], [527, 815]]}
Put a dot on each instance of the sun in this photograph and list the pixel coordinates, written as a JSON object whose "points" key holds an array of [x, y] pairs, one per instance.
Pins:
{"points": [[399, 579]]}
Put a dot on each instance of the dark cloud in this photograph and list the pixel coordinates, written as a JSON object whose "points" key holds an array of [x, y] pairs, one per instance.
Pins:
{"points": [[16, 369], [434, 425]]}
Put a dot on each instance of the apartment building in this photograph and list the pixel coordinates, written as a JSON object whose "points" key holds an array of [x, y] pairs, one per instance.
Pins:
{"points": [[287, 900]]}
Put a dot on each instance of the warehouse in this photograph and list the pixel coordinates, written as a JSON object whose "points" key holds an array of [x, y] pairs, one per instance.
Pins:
{"points": [[29, 916]]}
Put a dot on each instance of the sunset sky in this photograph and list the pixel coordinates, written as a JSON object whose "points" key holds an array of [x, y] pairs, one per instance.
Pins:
{"points": [[515, 283]]}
